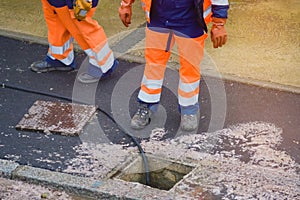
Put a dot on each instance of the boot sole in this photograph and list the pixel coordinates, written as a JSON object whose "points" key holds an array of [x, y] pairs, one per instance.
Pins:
{"points": [[88, 81], [50, 69]]}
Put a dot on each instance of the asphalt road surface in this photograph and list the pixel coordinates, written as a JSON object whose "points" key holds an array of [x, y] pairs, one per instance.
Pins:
{"points": [[233, 104]]}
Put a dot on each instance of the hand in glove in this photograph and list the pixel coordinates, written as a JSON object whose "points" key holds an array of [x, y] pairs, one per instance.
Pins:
{"points": [[81, 7], [218, 32], [125, 12]]}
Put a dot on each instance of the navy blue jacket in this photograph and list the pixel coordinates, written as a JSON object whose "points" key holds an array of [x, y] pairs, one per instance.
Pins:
{"points": [[69, 3]]}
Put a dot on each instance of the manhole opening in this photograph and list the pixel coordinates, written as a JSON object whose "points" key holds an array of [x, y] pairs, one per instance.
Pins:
{"points": [[164, 174]]}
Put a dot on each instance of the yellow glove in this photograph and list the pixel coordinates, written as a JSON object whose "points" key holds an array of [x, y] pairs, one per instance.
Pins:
{"points": [[81, 7]]}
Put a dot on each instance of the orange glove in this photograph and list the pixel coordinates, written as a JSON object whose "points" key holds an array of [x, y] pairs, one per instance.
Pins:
{"points": [[218, 32], [125, 12]]}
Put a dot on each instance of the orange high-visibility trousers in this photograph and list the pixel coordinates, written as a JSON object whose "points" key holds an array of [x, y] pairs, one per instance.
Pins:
{"points": [[63, 27], [190, 50]]}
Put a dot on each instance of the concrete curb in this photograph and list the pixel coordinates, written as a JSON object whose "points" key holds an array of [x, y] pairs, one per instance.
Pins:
{"points": [[24, 36], [82, 186], [228, 77], [7, 167], [249, 81]]}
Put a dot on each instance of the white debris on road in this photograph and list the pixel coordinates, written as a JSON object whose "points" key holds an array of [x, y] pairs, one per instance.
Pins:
{"points": [[240, 162], [96, 160]]}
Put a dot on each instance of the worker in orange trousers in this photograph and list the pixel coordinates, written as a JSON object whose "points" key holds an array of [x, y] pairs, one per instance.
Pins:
{"points": [[183, 22], [68, 20]]}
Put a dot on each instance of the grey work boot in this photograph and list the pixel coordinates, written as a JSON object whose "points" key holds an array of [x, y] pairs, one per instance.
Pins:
{"points": [[141, 118], [86, 78], [189, 122], [94, 73]]}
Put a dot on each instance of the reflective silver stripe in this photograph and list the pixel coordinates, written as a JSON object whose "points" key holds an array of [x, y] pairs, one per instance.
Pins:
{"points": [[67, 61], [103, 52], [108, 64], [99, 56], [89, 52], [188, 101], [149, 98], [61, 49], [48, 54], [147, 14], [188, 87], [207, 12], [152, 84], [220, 2], [95, 58]]}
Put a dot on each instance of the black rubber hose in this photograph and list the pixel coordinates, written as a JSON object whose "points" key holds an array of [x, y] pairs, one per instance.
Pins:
{"points": [[142, 152]]}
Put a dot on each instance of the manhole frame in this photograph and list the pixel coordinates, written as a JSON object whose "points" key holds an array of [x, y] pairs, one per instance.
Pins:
{"points": [[126, 169]]}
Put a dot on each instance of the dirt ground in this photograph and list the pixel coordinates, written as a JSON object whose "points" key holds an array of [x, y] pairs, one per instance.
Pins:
{"points": [[263, 35], [263, 42]]}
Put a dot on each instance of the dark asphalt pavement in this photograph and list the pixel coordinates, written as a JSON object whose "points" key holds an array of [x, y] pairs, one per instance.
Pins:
{"points": [[244, 103]]}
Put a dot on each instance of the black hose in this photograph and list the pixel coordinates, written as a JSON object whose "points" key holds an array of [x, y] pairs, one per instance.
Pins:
{"points": [[142, 152]]}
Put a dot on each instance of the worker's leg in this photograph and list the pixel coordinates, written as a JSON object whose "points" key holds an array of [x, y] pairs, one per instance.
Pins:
{"points": [[156, 59], [98, 50], [92, 39], [191, 51], [60, 54]]}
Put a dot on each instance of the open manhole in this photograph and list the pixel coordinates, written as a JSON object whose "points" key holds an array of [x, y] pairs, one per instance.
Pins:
{"points": [[164, 174], [57, 117]]}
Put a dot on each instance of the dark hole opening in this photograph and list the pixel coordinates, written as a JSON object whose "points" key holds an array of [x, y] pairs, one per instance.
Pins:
{"points": [[163, 174]]}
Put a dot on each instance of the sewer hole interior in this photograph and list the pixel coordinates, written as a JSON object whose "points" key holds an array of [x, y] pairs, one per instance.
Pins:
{"points": [[163, 174]]}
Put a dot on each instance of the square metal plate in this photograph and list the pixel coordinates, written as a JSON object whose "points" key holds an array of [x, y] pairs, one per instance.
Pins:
{"points": [[57, 117]]}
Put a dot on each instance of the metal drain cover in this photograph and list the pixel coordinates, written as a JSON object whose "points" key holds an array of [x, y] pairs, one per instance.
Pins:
{"points": [[57, 117]]}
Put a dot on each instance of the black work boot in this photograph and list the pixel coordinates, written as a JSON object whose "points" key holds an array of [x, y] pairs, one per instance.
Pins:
{"points": [[48, 65], [44, 66]]}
